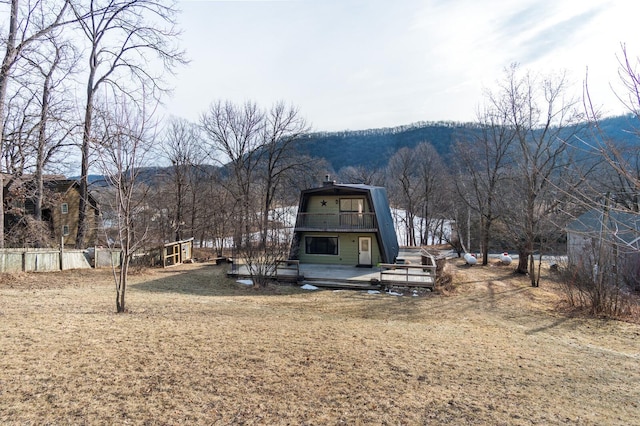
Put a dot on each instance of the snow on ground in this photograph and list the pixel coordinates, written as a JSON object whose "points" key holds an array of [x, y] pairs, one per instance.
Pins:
{"points": [[309, 287], [400, 224], [287, 217], [245, 282], [390, 293]]}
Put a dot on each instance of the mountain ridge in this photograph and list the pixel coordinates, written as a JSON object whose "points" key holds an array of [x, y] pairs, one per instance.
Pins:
{"points": [[372, 148]]}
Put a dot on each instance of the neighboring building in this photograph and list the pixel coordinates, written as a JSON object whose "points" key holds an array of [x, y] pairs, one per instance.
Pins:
{"points": [[60, 208], [64, 213], [613, 236], [344, 224]]}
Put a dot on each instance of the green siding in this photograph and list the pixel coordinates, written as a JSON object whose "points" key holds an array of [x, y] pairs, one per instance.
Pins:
{"points": [[332, 204], [347, 249]]}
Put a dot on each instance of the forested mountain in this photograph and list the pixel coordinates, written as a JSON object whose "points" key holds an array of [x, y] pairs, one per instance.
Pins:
{"points": [[623, 129], [372, 148]]}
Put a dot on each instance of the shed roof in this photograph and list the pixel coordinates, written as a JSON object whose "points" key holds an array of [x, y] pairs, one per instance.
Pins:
{"points": [[625, 225]]}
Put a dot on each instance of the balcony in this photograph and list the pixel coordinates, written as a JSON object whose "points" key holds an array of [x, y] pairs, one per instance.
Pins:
{"points": [[337, 222]]}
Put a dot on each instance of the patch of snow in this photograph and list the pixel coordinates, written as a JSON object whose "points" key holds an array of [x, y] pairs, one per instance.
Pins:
{"points": [[309, 287], [419, 227], [373, 292], [245, 282], [393, 293], [286, 216]]}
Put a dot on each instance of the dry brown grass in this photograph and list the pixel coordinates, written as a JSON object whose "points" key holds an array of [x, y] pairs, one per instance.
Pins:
{"points": [[197, 348]]}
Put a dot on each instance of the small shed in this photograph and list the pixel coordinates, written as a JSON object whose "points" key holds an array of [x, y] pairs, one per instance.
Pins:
{"points": [[177, 252], [612, 235]]}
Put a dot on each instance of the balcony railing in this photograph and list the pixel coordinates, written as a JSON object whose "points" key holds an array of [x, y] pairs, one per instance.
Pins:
{"points": [[336, 221]]}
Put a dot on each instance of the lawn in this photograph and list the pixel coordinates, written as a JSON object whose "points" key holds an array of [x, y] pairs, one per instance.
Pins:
{"points": [[198, 348]]}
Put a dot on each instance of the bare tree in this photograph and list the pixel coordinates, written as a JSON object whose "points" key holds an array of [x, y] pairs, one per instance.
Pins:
{"points": [[310, 176], [483, 167], [126, 135], [434, 184], [283, 131], [181, 148], [402, 172], [37, 126], [604, 245], [27, 23], [258, 149], [419, 183], [621, 163], [218, 211], [54, 62], [20, 128], [235, 137], [361, 174], [121, 36], [542, 119]]}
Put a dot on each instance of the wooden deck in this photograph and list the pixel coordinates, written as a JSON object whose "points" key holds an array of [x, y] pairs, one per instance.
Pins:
{"points": [[381, 277]]}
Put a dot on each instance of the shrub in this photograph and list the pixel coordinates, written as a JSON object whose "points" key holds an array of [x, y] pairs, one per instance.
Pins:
{"points": [[444, 278], [597, 290]]}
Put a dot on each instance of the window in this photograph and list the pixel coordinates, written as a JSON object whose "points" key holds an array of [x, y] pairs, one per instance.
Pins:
{"points": [[64, 208], [352, 205], [321, 245], [351, 212], [65, 230]]}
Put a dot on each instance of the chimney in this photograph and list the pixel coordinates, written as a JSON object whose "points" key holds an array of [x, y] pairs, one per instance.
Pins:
{"points": [[328, 181]]}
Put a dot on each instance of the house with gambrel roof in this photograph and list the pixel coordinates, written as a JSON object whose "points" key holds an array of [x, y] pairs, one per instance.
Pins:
{"points": [[60, 206], [344, 224]]}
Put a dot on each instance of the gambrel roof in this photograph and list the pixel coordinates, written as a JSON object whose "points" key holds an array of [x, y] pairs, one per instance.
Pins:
{"points": [[379, 203]]}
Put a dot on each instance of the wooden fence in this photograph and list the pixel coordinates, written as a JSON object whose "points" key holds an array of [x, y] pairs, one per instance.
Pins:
{"points": [[46, 260]]}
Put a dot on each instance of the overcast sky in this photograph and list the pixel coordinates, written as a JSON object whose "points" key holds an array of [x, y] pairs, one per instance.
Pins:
{"points": [[358, 64]]}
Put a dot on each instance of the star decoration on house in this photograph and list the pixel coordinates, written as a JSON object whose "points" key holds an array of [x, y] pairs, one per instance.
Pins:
{"points": [[323, 202]]}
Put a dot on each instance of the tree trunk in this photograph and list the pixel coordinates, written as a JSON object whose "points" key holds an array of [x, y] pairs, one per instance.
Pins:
{"points": [[84, 175], [125, 274], [179, 207], [86, 142], [122, 287], [42, 140], [523, 261], [7, 62], [532, 271], [266, 206], [485, 240], [194, 212], [411, 234], [469, 230]]}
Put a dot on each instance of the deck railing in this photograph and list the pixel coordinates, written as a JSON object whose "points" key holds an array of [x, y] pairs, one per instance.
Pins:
{"points": [[336, 221], [393, 274], [288, 270]]}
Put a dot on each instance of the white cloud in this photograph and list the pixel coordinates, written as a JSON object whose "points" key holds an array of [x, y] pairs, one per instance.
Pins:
{"points": [[359, 64]]}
